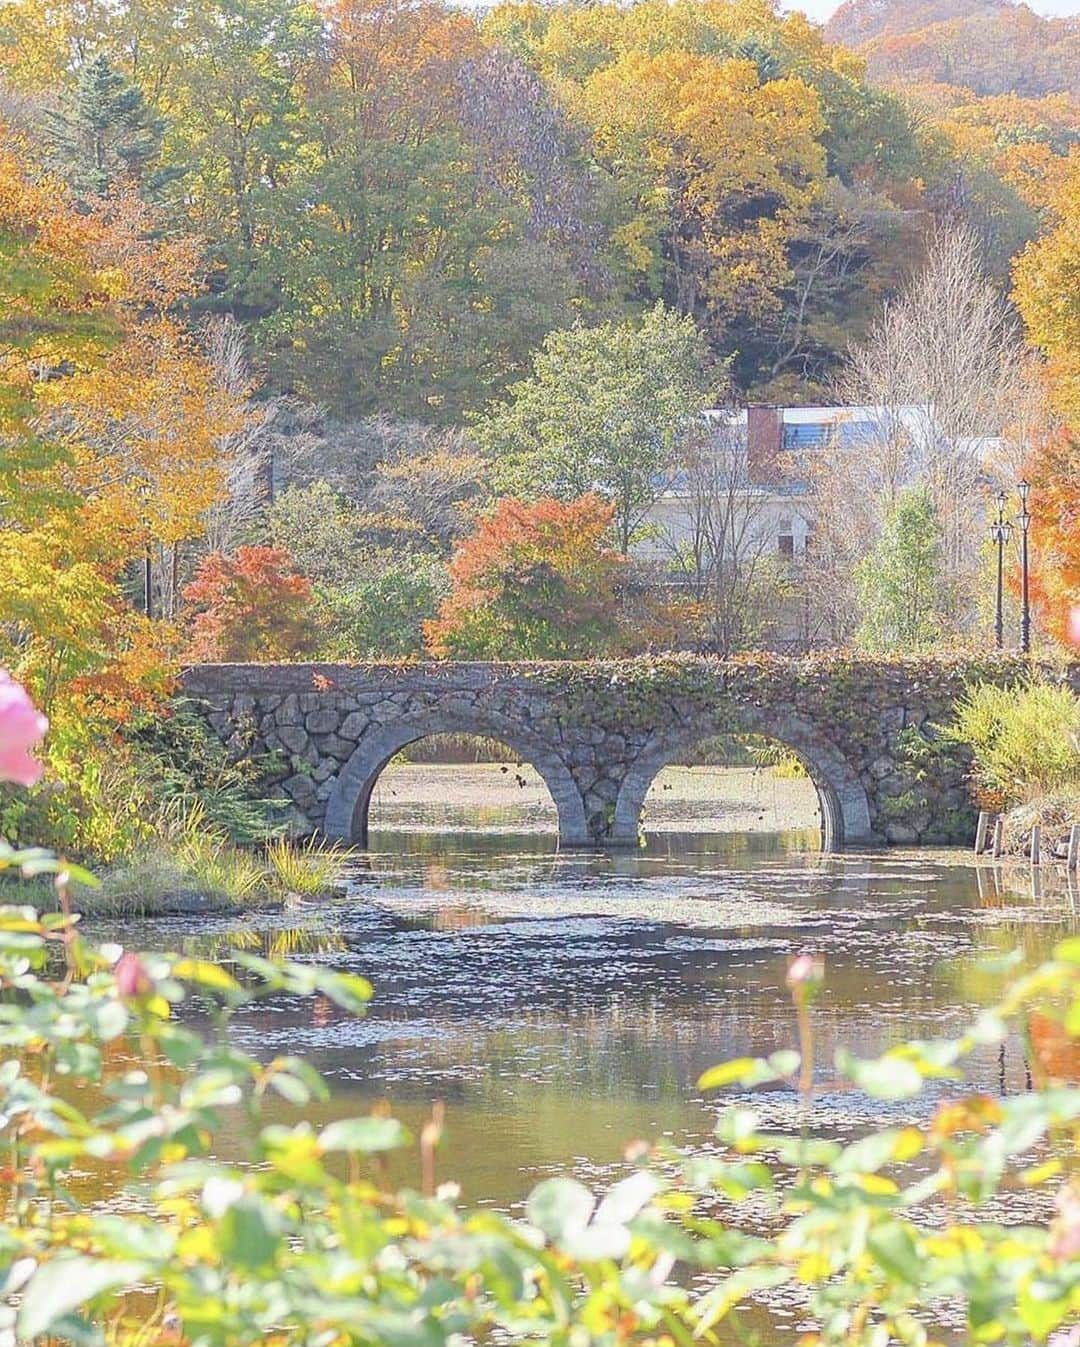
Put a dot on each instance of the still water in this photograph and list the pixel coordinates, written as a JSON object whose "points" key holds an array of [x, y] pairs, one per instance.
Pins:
{"points": [[564, 1004]]}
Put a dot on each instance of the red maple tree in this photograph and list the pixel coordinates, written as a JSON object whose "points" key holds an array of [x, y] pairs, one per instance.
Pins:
{"points": [[249, 605]]}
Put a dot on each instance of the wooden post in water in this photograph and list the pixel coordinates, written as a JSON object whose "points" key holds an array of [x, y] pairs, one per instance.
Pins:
{"points": [[1036, 846], [981, 829], [999, 837], [1074, 848]]}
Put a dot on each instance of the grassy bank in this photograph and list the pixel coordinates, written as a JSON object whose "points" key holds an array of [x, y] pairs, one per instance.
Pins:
{"points": [[192, 867]]}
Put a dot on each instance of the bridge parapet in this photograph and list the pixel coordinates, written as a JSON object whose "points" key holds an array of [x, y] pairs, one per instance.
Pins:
{"points": [[598, 732]]}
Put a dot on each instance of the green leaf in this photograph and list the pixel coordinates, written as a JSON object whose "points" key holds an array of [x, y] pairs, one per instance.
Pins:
{"points": [[292, 1090], [205, 974], [740, 1069], [623, 1202], [67, 1282], [112, 1019], [560, 1206], [368, 1135], [867, 1155], [738, 1181], [750, 1071], [886, 1077], [249, 1233], [894, 1251], [737, 1126]]}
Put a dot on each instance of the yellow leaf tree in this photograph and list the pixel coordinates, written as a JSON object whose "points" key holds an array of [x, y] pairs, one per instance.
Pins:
{"points": [[110, 422], [1048, 293]]}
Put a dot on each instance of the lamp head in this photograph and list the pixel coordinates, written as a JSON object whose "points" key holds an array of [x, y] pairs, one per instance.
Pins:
{"points": [[1024, 488]]}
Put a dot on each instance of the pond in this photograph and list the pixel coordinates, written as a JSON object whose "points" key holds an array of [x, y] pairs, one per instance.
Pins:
{"points": [[563, 1004]]}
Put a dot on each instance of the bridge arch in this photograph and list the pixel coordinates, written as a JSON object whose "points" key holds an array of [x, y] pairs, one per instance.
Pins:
{"points": [[347, 808], [845, 806]]}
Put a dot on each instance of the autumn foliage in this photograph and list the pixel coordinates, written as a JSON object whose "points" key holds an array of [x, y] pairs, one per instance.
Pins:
{"points": [[535, 581], [1054, 470], [249, 605], [111, 422], [1048, 292]]}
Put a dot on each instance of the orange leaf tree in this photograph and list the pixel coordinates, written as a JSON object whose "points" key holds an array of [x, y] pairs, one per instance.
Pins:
{"points": [[1054, 470], [535, 581], [249, 605], [1048, 296], [110, 428]]}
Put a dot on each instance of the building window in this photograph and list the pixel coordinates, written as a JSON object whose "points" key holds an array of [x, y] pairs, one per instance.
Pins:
{"points": [[785, 539], [807, 435]]}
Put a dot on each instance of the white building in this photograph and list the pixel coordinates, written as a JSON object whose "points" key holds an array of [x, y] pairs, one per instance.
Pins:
{"points": [[747, 494]]}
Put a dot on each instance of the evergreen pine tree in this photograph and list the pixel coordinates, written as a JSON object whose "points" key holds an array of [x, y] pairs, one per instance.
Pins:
{"points": [[104, 133]]}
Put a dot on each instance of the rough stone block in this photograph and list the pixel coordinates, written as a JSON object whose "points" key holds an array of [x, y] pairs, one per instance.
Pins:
{"points": [[334, 746], [288, 713], [321, 721], [354, 725], [300, 788], [293, 737]]}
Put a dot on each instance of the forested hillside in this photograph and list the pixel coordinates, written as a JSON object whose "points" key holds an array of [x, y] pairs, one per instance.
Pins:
{"points": [[399, 200], [988, 46]]}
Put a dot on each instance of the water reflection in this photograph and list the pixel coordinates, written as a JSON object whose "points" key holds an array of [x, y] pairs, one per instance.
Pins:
{"points": [[562, 1004]]}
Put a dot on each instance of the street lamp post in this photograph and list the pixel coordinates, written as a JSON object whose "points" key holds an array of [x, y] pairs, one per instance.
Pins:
{"points": [[1024, 520], [1000, 531]]}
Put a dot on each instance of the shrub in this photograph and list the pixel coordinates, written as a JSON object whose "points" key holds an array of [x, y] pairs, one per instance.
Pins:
{"points": [[535, 581], [312, 869], [380, 613], [190, 768], [1023, 738], [901, 584], [249, 605]]}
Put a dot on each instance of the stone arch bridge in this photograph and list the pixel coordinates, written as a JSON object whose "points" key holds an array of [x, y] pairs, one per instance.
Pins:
{"points": [[599, 732]]}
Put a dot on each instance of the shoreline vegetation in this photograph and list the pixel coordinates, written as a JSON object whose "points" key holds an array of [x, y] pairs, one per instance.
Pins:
{"points": [[192, 866], [1025, 744], [195, 868]]}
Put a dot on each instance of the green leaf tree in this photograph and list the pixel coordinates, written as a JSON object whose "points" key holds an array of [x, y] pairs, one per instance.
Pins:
{"points": [[608, 409], [901, 584]]}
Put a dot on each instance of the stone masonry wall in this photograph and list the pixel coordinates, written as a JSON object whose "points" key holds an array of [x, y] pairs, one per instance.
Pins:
{"points": [[599, 732]]}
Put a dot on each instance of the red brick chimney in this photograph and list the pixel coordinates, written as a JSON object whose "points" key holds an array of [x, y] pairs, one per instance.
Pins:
{"points": [[764, 442]]}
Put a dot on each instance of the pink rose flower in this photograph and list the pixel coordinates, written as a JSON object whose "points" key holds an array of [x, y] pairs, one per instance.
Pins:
{"points": [[21, 727]]}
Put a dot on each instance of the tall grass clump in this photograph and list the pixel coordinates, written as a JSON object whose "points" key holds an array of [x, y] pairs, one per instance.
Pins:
{"points": [[309, 869], [1025, 739], [192, 858], [189, 857]]}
